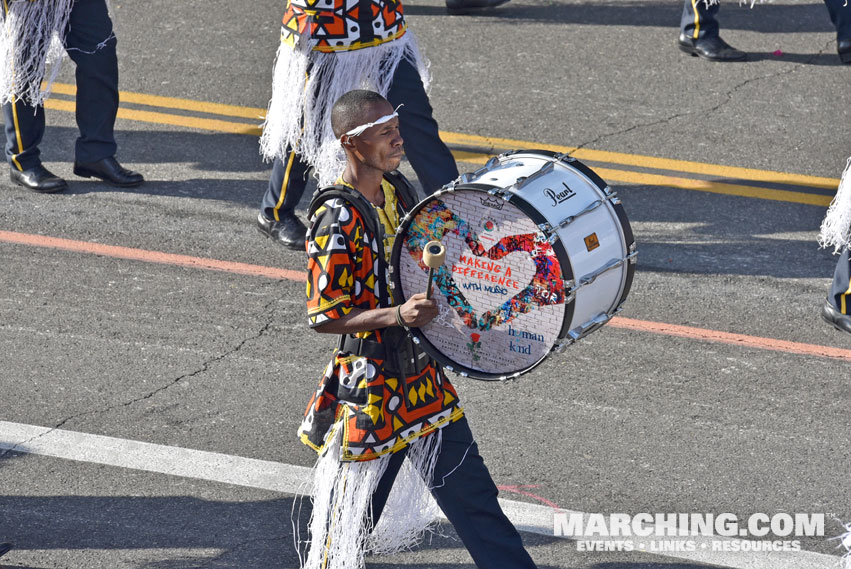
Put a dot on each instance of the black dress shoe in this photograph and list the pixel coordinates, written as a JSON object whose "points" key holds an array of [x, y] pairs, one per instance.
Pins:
{"points": [[5, 548], [38, 179], [289, 232], [832, 316], [461, 7], [713, 49], [110, 171], [844, 49]]}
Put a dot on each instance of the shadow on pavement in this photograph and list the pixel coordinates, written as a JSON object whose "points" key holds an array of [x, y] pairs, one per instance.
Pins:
{"points": [[236, 535], [769, 19]]}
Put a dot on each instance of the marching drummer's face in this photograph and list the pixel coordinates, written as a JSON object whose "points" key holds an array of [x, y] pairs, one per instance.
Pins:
{"points": [[380, 146]]}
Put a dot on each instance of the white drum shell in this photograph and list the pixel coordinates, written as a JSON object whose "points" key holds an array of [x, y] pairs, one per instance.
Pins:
{"points": [[556, 195]]}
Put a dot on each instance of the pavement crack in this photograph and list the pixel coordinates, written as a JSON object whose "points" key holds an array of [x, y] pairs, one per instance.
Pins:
{"points": [[268, 310], [727, 99]]}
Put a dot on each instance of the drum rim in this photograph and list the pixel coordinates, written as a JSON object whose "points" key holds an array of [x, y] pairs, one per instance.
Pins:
{"points": [[561, 255], [619, 210]]}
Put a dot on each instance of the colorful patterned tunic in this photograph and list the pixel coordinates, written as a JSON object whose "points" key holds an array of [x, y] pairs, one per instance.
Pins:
{"points": [[343, 25], [378, 413]]}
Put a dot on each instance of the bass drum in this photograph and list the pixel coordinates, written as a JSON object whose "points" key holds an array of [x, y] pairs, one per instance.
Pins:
{"points": [[539, 253]]}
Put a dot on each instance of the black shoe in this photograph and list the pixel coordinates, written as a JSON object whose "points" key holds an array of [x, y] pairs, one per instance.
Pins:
{"points": [[38, 179], [461, 7], [110, 171], [831, 315], [844, 49], [289, 232], [713, 49], [5, 548]]}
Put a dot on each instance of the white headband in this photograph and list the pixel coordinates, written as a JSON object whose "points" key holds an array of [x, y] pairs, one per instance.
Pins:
{"points": [[358, 130]]}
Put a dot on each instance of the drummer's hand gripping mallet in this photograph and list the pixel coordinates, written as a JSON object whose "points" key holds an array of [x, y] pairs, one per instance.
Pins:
{"points": [[434, 253]]}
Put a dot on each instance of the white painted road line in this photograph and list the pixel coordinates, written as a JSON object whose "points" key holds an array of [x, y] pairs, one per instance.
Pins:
{"points": [[291, 479]]}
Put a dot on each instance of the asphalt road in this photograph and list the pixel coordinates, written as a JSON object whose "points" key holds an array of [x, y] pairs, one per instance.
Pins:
{"points": [[624, 421]]}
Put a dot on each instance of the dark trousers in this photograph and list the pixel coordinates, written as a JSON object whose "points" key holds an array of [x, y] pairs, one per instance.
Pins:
{"points": [[466, 493], [840, 289], [97, 93], [698, 21], [429, 156]]}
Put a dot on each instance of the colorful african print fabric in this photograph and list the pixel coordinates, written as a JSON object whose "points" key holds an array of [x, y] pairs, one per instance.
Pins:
{"points": [[377, 412], [343, 25]]}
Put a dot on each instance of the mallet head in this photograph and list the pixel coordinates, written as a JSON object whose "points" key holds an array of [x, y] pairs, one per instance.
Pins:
{"points": [[434, 254]]}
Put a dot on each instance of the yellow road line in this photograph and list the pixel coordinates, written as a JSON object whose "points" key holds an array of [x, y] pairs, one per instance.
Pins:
{"points": [[496, 144], [493, 145], [175, 103], [164, 118], [645, 179]]}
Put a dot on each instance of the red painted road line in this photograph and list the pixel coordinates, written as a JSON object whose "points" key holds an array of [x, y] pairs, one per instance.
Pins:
{"points": [[693, 333], [517, 490], [150, 256], [689, 332]]}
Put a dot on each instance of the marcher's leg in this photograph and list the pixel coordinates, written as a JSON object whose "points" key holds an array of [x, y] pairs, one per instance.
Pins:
{"points": [[698, 20], [467, 495], [837, 308], [91, 44], [286, 186], [840, 15], [699, 33], [382, 491], [428, 155], [24, 131]]}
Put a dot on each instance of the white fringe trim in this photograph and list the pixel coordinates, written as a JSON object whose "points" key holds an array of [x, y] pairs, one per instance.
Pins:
{"points": [[836, 227], [32, 46], [340, 532], [299, 113], [845, 540]]}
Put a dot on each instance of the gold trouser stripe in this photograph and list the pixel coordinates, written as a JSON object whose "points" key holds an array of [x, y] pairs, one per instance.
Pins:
{"points": [[14, 104], [843, 308], [285, 184], [696, 18]]}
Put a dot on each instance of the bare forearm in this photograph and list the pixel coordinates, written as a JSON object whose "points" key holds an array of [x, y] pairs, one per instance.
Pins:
{"points": [[360, 321]]}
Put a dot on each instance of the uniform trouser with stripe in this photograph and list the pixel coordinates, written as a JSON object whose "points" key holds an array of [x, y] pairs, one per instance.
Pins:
{"points": [[465, 491], [97, 93], [840, 289], [429, 156], [699, 21]]}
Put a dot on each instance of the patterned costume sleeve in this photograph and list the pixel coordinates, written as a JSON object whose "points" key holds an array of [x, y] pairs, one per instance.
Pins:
{"points": [[334, 235]]}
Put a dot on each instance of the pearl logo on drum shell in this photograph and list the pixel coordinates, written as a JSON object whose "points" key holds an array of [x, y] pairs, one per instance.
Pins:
{"points": [[561, 196]]}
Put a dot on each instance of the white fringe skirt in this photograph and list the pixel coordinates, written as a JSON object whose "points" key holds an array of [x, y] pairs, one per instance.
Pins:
{"points": [[340, 527]]}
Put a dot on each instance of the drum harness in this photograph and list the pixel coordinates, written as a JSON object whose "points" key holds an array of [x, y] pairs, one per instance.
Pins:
{"points": [[401, 356]]}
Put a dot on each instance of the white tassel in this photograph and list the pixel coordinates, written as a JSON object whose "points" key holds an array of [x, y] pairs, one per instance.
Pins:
{"points": [[836, 227], [340, 526], [299, 114], [411, 511], [845, 540], [32, 47]]}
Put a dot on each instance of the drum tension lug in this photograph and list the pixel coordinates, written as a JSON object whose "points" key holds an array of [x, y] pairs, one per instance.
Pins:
{"points": [[564, 157]]}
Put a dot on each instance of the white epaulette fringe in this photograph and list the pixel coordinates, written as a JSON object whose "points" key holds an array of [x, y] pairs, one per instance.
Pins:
{"points": [[307, 83], [836, 227], [32, 47]]}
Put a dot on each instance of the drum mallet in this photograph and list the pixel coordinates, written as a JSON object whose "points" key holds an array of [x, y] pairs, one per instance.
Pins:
{"points": [[434, 253]]}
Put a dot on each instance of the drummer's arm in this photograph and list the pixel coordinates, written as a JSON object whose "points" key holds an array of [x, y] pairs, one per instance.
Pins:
{"points": [[417, 311]]}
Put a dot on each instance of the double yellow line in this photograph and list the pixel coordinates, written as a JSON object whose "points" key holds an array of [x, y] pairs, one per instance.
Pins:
{"points": [[713, 178]]}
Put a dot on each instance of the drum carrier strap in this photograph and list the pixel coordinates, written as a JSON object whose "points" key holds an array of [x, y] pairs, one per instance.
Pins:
{"points": [[401, 356]]}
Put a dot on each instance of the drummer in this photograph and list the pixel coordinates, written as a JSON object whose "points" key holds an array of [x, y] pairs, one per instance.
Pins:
{"points": [[381, 399]]}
